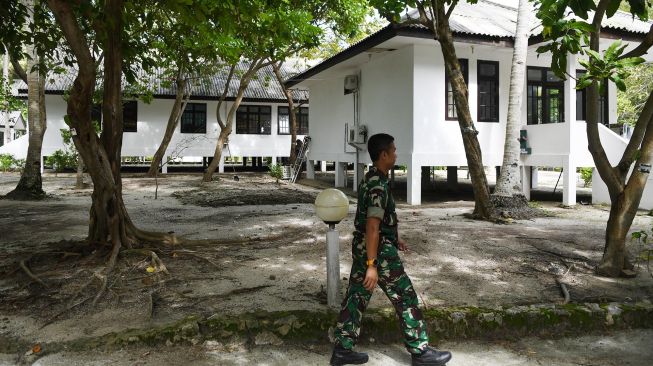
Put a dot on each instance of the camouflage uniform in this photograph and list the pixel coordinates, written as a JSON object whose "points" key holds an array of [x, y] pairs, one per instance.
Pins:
{"points": [[375, 200]]}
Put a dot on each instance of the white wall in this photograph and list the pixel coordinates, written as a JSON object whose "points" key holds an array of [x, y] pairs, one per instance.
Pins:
{"points": [[386, 106], [152, 120]]}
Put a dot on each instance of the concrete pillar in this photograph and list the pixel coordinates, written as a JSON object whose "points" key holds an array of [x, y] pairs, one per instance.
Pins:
{"points": [[310, 169], [164, 169], [273, 160], [526, 181], [452, 176], [569, 183], [221, 164], [323, 166], [259, 161], [340, 174], [359, 171], [534, 177], [414, 184], [244, 160]]}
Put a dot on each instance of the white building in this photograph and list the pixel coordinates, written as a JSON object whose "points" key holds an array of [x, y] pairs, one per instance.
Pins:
{"points": [[394, 81], [261, 126]]}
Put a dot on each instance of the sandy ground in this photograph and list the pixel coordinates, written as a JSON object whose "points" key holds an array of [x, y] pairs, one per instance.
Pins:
{"points": [[272, 257], [626, 348]]}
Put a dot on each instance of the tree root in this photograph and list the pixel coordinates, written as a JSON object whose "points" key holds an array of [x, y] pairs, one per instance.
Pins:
{"points": [[194, 254], [156, 262], [29, 273]]}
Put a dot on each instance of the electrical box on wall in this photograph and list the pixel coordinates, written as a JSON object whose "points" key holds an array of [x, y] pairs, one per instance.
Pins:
{"points": [[356, 134], [351, 84]]}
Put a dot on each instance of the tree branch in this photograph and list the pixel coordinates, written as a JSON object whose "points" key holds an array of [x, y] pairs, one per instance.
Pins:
{"points": [[451, 7], [641, 127], [19, 69], [642, 48], [232, 68]]}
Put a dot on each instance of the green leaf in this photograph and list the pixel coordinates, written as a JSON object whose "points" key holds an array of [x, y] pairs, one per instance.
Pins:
{"points": [[613, 6]]}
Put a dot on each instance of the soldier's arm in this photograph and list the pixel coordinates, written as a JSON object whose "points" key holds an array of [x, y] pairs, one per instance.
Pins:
{"points": [[371, 246]]}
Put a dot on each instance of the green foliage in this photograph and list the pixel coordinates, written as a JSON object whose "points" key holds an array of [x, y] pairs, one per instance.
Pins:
{"points": [[276, 171], [638, 87], [9, 163], [61, 160], [586, 175], [645, 241]]}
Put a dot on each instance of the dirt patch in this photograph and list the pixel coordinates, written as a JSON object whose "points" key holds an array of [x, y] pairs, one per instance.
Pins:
{"points": [[253, 191], [271, 257]]}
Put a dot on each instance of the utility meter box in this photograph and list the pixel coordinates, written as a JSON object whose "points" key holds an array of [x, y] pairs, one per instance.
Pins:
{"points": [[356, 134], [351, 83]]}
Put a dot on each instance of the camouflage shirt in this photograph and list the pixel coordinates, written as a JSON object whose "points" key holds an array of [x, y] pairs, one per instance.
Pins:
{"points": [[375, 200]]}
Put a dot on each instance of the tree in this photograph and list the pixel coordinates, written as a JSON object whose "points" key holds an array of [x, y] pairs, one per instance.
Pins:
{"points": [[508, 189], [434, 15], [30, 184], [625, 180], [265, 29]]}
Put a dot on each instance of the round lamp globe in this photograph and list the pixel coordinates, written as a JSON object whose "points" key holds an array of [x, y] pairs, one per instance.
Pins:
{"points": [[331, 206]]}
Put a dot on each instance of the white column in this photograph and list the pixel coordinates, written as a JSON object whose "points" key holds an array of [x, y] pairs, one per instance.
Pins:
{"points": [[359, 171], [569, 183], [310, 169], [221, 164], [340, 174], [273, 160], [569, 165], [323, 166], [164, 169], [534, 177], [414, 184], [526, 181]]}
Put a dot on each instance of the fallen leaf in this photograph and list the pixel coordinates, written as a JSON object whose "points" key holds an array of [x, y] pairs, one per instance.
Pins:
{"points": [[150, 269], [36, 348]]}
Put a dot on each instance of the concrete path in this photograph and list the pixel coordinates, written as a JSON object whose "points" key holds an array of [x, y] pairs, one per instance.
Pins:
{"points": [[633, 347]]}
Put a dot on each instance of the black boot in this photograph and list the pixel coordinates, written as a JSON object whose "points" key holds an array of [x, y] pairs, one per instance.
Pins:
{"points": [[342, 356], [432, 357]]}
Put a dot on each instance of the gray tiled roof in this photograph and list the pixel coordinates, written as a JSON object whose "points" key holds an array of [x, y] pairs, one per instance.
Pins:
{"points": [[499, 18], [263, 87]]}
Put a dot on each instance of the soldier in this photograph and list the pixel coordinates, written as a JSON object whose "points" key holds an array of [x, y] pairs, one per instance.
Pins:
{"points": [[376, 261]]}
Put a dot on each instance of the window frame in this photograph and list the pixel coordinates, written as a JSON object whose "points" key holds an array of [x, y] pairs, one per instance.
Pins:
{"points": [[194, 115], [302, 120], [447, 86], [546, 100], [125, 126], [496, 80], [604, 105], [244, 110]]}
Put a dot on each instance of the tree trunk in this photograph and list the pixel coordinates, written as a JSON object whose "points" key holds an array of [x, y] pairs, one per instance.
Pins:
{"points": [[509, 181], [79, 177], [227, 126], [482, 205], [30, 184], [625, 196], [109, 221], [292, 116], [173, 121]]}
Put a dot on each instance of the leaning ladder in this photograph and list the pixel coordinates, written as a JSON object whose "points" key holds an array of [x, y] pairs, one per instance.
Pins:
{"points": [[300, 159]]}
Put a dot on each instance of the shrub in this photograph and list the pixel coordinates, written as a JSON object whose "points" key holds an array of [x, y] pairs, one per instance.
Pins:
{"points": [[61, 160], [276, 171], [6, 161], [586, 174]]}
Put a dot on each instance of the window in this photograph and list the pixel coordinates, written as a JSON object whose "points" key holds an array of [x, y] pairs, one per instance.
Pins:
{"points": [[130, 116], [581, 103], [284, 121], [193, 120], [450, 112], [545, 96], [253, 119], [488, 91]]}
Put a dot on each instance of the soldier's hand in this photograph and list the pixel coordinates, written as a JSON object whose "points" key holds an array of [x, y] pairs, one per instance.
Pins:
{"points": [[371, 278], [402, 244]]}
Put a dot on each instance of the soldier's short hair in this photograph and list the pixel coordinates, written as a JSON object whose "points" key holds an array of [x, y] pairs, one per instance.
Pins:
{"points": [[379, 143]]}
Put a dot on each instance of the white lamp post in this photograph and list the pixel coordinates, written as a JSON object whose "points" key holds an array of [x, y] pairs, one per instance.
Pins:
{"points": [[331, 206]]}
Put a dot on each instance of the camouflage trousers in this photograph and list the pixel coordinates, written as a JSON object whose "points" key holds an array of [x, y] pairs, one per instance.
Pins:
{"points": [[395, 283]]}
